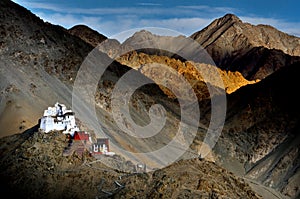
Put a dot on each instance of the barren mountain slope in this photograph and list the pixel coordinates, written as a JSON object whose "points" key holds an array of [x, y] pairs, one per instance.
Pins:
{"points": [[38, 71], [255, 51]]}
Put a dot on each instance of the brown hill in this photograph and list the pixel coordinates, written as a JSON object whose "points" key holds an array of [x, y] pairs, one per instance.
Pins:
{"points": [[230, 42], [94, 38]]}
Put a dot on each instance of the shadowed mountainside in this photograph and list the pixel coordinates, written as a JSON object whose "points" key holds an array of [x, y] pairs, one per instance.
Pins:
{"points": [[266, 139]]}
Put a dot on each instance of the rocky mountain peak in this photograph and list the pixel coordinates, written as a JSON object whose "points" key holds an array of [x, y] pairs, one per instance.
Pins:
{"points": [[229, 18], [239, 34], [142, 35], [231, 41]]}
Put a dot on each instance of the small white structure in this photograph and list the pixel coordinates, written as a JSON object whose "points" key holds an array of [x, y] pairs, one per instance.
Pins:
{"points": [[60, 119]]}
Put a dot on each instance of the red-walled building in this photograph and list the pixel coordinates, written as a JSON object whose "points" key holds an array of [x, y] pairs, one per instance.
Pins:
{"points": [[81, 135]]}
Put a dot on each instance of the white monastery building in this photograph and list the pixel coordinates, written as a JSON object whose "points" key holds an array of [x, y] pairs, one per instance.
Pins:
{"points": [[60, 119]]}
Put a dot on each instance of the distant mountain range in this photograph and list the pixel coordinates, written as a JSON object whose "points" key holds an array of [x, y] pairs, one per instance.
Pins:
{"points": [[260, 139], [254, 51]]}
